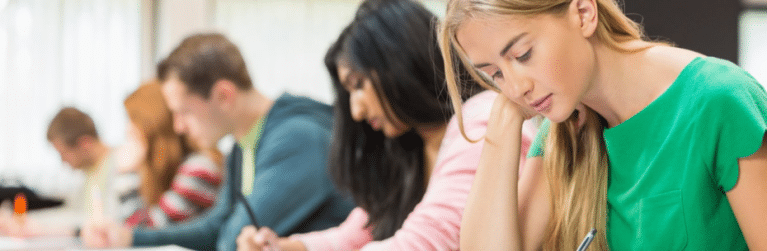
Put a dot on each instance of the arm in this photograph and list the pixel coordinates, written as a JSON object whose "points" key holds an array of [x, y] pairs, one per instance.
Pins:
{"points": [[200, 234], [504, 211], [193, 190], [435, 222], [350, 235], [293, 160], [749, 198]]}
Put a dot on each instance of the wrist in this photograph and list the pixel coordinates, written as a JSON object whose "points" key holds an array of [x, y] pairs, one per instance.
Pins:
{"points": [[290, 244]]}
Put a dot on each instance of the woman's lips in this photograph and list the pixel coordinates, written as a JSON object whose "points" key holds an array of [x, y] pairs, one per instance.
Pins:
{"points": [[543, 104]]}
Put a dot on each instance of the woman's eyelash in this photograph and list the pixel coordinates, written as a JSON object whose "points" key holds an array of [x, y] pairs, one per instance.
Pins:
{"points": [[525, 56], [497, 74]]}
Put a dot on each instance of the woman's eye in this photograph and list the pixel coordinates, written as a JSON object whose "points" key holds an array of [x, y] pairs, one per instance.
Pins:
{"points": [[497, 75], [525, 56]]}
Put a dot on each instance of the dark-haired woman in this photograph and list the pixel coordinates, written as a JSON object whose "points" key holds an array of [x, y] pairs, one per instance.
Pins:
{"points": [[408, 169]]}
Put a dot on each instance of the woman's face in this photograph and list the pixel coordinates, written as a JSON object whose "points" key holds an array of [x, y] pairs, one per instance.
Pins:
{"points": [[134, 151], [543, 62], [365, 104]]}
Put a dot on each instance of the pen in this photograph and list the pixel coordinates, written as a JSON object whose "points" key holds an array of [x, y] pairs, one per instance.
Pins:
{"points": [[586, 241], [270, 246], [98, 215], [250, 211]]}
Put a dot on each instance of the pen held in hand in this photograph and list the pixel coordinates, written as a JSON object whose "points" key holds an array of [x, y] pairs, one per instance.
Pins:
{"points": [[587, 240], [270, 246], [250, 210]]}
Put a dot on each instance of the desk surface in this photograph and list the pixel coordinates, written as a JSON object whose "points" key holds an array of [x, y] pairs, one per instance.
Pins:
{"points": [[65, 243]]}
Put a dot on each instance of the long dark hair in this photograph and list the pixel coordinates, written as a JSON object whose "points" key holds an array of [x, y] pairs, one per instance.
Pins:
{"points": [[393, 43]]}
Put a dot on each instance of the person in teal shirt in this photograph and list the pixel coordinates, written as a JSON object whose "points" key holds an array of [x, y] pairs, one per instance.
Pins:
{"points": [[656, 147], [279, 163]]}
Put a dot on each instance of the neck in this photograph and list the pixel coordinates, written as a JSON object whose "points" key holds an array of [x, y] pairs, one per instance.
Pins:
{"points": [[618, 91], [99, 152], [432, 140], [250, 107]]}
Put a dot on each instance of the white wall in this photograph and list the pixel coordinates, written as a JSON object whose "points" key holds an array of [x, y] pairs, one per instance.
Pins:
{"points": [[753, 44], [56, 53], [283, 41]]}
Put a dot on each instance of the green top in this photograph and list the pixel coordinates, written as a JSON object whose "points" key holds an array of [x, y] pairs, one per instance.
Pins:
{"points": [[670, 168], [249, 145]]}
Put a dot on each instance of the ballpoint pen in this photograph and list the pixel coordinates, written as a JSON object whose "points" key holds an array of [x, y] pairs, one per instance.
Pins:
{"points": [[586, 241], [250, 211], [270, 246]]}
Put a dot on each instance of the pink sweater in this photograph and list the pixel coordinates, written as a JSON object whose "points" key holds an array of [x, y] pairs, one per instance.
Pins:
{"points": [[435, 222]]}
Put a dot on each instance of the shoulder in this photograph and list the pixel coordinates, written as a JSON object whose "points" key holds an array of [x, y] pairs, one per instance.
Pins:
{"points": [[479, 105], [199, 159], [289, 105], [456, 152], [475, 112], [290, 113], [296, 127], [721, 85], [200, 166]]}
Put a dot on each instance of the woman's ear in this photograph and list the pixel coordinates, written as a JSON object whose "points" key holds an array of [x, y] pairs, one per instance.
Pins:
{"points": [[587, 14]]}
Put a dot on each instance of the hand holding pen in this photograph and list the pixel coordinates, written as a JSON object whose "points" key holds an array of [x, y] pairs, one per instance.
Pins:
{"points": [[255, 237]]}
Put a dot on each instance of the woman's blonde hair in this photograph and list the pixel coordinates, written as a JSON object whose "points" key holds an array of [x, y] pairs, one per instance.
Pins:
{"points": [[575, 157]]}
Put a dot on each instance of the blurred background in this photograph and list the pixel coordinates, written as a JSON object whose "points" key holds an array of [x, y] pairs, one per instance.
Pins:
{"points": [[92, 53]]}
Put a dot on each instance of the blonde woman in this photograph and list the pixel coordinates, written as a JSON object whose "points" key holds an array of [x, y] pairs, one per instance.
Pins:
{"points": [[658, 148]]}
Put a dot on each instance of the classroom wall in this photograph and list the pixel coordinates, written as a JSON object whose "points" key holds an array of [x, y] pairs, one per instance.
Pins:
{"points": [[92, 53], [283, 41]]}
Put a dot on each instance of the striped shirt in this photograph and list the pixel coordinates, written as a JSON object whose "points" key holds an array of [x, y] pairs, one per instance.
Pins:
{"points": [[192, 191]]}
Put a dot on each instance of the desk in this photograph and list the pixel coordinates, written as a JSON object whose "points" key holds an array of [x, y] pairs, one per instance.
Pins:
{"points": [[34, 201], [65, 243]]}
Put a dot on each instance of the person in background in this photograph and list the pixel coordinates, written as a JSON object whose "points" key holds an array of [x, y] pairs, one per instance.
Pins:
{"points": [[74, 136], [278, 165], [407, 166], [655, 147], [164, 177]]}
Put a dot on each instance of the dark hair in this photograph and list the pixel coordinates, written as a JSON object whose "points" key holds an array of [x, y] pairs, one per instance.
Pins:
{"points": [[69, 124], [202, 59], [394, 44]]}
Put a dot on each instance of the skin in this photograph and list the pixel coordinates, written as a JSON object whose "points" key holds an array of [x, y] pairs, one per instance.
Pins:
{"points": [[228, 109], [570, 66], [134, 151], [86, 152], [366, 106]]}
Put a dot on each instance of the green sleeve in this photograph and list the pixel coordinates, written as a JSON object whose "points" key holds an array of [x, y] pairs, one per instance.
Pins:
{"points": [[738, 120], [536, 148]]}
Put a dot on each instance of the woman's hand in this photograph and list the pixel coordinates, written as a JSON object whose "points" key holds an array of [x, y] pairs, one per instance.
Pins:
{"points": [[506, 113], [252, 239], [492, 219], [265, 239], [15, 225], [102, 234]]}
